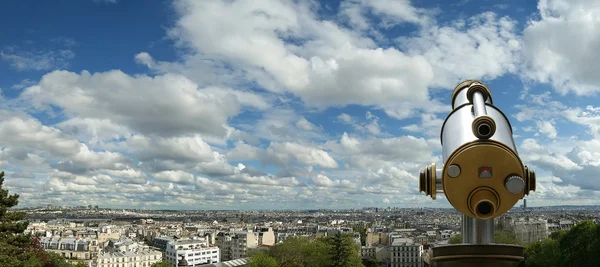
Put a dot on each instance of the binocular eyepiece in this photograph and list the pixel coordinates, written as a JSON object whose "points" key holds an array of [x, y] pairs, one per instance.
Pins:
{"points": [[483, 176]]}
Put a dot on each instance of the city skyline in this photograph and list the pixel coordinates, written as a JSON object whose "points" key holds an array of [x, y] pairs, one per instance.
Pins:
{"points": [[517, 207], [285, 105]]}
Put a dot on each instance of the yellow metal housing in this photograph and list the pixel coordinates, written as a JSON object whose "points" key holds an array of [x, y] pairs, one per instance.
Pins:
{"points": [[468, 190]]}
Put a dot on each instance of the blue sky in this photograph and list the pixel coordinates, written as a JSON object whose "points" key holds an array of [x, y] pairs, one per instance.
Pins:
{"points": [[273, 104]]}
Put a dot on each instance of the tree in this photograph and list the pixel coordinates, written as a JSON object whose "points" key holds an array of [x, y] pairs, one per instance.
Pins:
{"points": [[500, 237], [558, 235], [581, 245], [371, 263], [505, 237], [363, 234], [457, 239], [301, 252], [13, 242], [18, 249], [344, 251], [161, 264], [544, 253], [262, 259], [331, 251]]}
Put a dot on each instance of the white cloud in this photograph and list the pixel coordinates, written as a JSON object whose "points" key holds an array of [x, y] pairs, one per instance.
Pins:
{"points": [[373, 153], [396, 11], [284, 153], [25, 139], [322, 180], [373, 126], [23, 84], [175, 177], [547, 128], [282, 124], [306, 125], [268, 103], [164, 105], [588, 116], [345, 118], [430, 125], [334, 66], [551, 54], [177, 149], [39, 60], [93, 130], [481, 47]]}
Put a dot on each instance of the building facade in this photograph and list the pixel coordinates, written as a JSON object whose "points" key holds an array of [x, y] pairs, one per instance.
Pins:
{"points": [[405, 253], [74, 250], [139, 258], [195, 252]]}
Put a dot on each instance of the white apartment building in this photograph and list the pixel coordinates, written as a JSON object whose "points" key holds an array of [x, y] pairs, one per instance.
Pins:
{"points": [[133, 258], [405, 253], [196, 252]]}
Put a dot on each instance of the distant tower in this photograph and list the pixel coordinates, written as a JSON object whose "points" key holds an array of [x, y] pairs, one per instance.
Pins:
{"points": [[524, 204]]}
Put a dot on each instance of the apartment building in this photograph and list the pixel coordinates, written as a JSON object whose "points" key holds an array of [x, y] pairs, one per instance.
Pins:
{"points": [[162, 242], [195, 252], [234, 245], [266, 236], [405, 253], [402, 252], [103, 237], [380, 238], [132, 258], [72, 249]]}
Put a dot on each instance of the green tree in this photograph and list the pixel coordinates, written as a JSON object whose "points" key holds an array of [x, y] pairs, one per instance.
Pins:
{"points": [[161, 264], [13, 243], [18, 249], [457, 239], [505, 237], [323, 250], [363, 234], [262, 259], [301, 252], [581, 245], [371, 263], [545, 253], [344, 251], [558, 235], [500, 237]]}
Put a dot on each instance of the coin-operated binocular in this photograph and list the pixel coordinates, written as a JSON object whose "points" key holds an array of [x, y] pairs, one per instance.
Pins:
{"points": [[483, 176]]}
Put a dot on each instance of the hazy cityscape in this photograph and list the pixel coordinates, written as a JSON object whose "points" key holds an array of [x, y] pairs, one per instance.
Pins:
{"points": [[227, 237]]}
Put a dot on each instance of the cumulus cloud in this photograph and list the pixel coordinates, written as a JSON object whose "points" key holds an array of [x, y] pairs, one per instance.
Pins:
{"points": [[284, 153], [484, 46], [271, 103], [333, 66], [37, 61], [164, 105], [577, 167], [552, 56]]}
